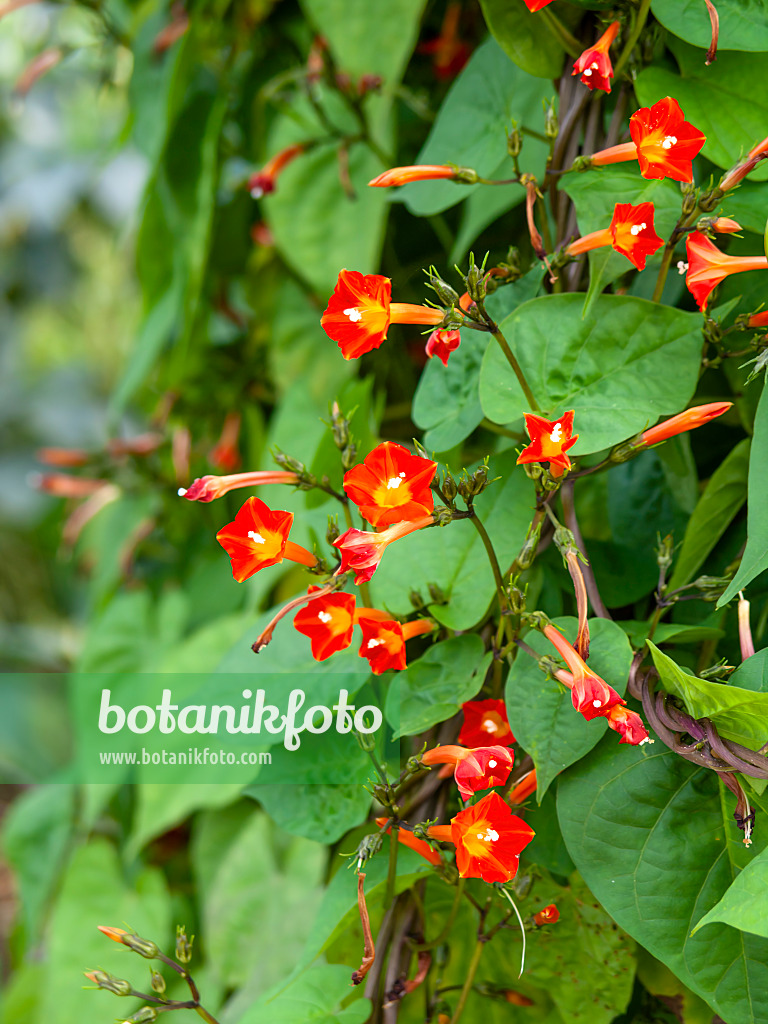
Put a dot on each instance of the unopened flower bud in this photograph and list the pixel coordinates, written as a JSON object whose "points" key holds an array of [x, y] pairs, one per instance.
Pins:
{"points": [[417, 601], [447, 295], [719, 671], [711, 588], [349, 455], [514, 141], [551, 124], [475, 280], [339, 427], [119, 986], [157, 982], [449, 488], [436, 595], [528, 552], [367, 847], [288, 462], [442, 515], [664, 551], [144, 947], [145, 1015], [689, 200], [707, 201], [183, 945]]}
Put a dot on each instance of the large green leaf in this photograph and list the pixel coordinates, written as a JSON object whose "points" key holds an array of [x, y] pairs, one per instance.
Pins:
{"points": [[471, 129], [315, 811], [720, 100], [315, 997], [525, 38], [453, 557], [752, 674], [738, 715], [743, 23], [447, 402], [540, 709], [626, 363], [649, 834], [755, 557], [745, 903], [434, 687], [724, 495]]}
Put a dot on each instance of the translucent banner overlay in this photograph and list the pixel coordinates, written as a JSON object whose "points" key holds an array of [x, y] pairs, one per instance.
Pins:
{"points": [[264, 728]]}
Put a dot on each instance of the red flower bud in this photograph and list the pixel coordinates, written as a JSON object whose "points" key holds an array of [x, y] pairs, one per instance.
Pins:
{"points": [[594, 65], [688, 420]]}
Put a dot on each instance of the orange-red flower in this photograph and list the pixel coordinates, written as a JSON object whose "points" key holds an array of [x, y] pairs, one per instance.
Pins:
{"points": [[207, 488], [524, 788], [391, 485], [707, 266], [359, 313], [265, 181], [758, 319], [414, 172], [688, 420], [488, 838], [475, 768], [591, 695], [663, 143], [408, 839], [629, 724], [361, 550], [449, 52], [725, 225], [548, 915], [536, 5], [328, 622], [384, 639], [550, 440], [631, 233], [258, 537], [594, 65], [442, 343], [485, 721], [225, 453]]}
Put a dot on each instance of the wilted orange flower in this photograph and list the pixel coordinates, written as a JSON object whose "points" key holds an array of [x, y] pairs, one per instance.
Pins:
{"points": [[359, 313], [413, 843], [591, 695], [594, 65], [548, 915], [328, 622], [265, 181], [629, 724], [631, 233], [442, 343], [391, 485], [550, 440], [258, 538], [361, 550], [707, 266], [663, 143], [384, 640], [688, 420], [488, 838], [207, 488], [414, 172], [475, 768], [485, 721]]}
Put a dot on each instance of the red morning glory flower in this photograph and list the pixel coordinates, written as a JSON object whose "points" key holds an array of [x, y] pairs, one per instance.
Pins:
{"points": [[550, 440], [384, 639], [707, 266], [258, 538], [391, 485], [207, 488], [475, 769], [328, 622], [629, 724], [442, 343], [485, 721], [594, 65], [631, 233], [591, 695], [361, 550]]}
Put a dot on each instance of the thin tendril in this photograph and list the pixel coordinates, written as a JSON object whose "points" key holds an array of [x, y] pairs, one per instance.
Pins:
{"points": [[522, 930]]}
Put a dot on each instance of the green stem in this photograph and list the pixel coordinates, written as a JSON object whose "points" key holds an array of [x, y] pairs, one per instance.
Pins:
{"points": [[666, 261], [205, 1015], [504, 346], [495, 567], [446, 930], [640, 20], [568, 42], [469, 980]]}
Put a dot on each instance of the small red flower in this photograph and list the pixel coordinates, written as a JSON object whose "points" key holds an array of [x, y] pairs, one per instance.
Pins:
{"points": [[629, 724], [591, 695], [207, 488], [594, 65], [631, 233], [414, 172], [485, 721], [225, 453], [361, 550], [265, 181], [442, 343], [536, 5], [328, 622], [488, 838], [384, 640], [550, 440], [688, 420], [707, 267], [391, 485], [359, 313], [449, 52], [258, 538], [548, 915], [475, 769], [408, 839], [663, 143]]}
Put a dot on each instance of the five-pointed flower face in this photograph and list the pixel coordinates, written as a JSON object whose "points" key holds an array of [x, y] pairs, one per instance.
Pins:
{"points": [[391, 485], [328, 622], [550, 440], [594, 65], [488, 838], [441, 344], [383, 644], [485, 721], [707, 266], [633, 234], [258, 537], [359, 313], [666, 143]]}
